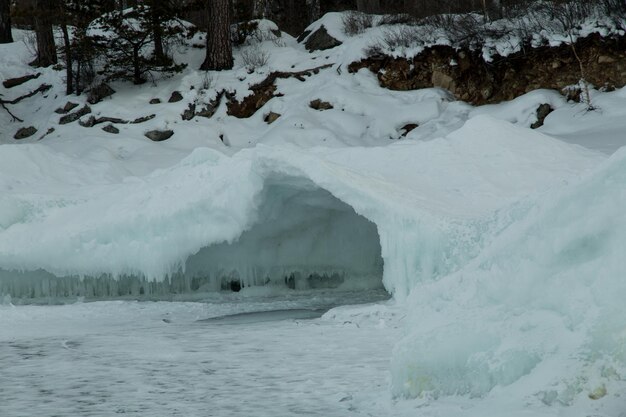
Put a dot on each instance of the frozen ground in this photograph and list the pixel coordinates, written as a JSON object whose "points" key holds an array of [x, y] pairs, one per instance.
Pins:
{"points": [[502, 247], [158, 359]]}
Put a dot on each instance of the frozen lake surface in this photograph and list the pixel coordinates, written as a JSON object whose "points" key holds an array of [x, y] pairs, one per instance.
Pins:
{"points": [[166, 359]]}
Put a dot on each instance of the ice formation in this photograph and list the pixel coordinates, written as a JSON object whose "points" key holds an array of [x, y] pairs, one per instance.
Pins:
{"points": [[425, 200], [501, 274], [546, 295]]}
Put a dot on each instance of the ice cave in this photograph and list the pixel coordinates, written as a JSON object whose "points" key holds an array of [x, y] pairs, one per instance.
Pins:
{"points": [[301, 238]]}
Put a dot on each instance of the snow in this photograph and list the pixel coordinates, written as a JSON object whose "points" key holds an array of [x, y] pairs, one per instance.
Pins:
{"points": [[500, 246], [542, 297]]}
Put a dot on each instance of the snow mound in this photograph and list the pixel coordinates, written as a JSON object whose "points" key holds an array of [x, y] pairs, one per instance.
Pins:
{"points": [[543, 303]]}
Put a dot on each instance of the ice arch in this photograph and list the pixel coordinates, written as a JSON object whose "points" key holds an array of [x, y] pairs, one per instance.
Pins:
{"points": [[302, 237], [298, 236]]}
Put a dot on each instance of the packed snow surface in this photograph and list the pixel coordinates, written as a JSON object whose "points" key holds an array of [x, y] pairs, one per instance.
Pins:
{"points": [[503, 249]]}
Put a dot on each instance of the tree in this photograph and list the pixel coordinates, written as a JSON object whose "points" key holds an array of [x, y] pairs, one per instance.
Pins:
{"points": [[5, 22], [79, 50], [219, 51], [161, 12], [567, 17], [46, 47], [126, 41]]}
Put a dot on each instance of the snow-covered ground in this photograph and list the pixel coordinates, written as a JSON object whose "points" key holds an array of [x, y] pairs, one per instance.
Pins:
{"points": [[501, 246]]}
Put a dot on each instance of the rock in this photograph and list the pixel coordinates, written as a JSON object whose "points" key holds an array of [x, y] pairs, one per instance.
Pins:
{"points": [[542, 112], [159, 135], [111, 129], [604, 59], [143, 119], [50, 130], [598, 393], [320, 40], [207, 112], [110, 120], [303, 36], [573, 93], [72, 117], [175, 97], [407, 128], [14, 82], [99, 93], [271, 117], [155, 101], [190, 112], [89, 122], [69, 106], [25, 132], [318, 104], [443, 80]]}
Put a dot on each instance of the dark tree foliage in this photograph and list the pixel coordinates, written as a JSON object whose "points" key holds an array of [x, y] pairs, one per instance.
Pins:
{"points": [[79, 50], [5, 22], [127, 41]]}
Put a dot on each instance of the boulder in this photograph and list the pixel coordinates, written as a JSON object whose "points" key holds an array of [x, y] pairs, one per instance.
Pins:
{"points": [[407, 128], [159, 135], [175, 97], [320, 40], [88, 122], [72, 117], [155, 101], [99, 93], [111, 129], [542, 112], [303, 36], [318, 104], [69, 106], [190, 112], [443, 80], [143, 119], [25, 132], [271, 117], [14, 82], [207, 111]]}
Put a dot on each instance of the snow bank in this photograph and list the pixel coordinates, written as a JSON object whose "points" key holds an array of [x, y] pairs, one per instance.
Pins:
{"points": [[543, 303]]}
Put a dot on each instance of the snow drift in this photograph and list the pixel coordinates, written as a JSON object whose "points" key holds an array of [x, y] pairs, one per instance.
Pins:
{"points": [[544, 298]]}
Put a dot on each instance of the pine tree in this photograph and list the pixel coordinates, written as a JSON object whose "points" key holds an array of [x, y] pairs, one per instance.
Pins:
{"points": [[5, 22], [46, 47], [219, 52], [79, 50], [126, 44]]}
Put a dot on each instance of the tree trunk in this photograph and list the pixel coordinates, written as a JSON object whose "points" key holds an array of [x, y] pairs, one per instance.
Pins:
{"points": [[260, 9], [219, 51], [137, 78], [314, 10], [157, 31], [5, 22], [67, 45], [46, 48]]}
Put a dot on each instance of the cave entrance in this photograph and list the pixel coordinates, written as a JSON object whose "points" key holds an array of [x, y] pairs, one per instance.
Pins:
{"points": [[303, 238]]}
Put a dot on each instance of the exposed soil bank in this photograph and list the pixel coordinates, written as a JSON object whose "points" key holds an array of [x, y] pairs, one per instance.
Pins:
{"points": [[470, 78]]}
